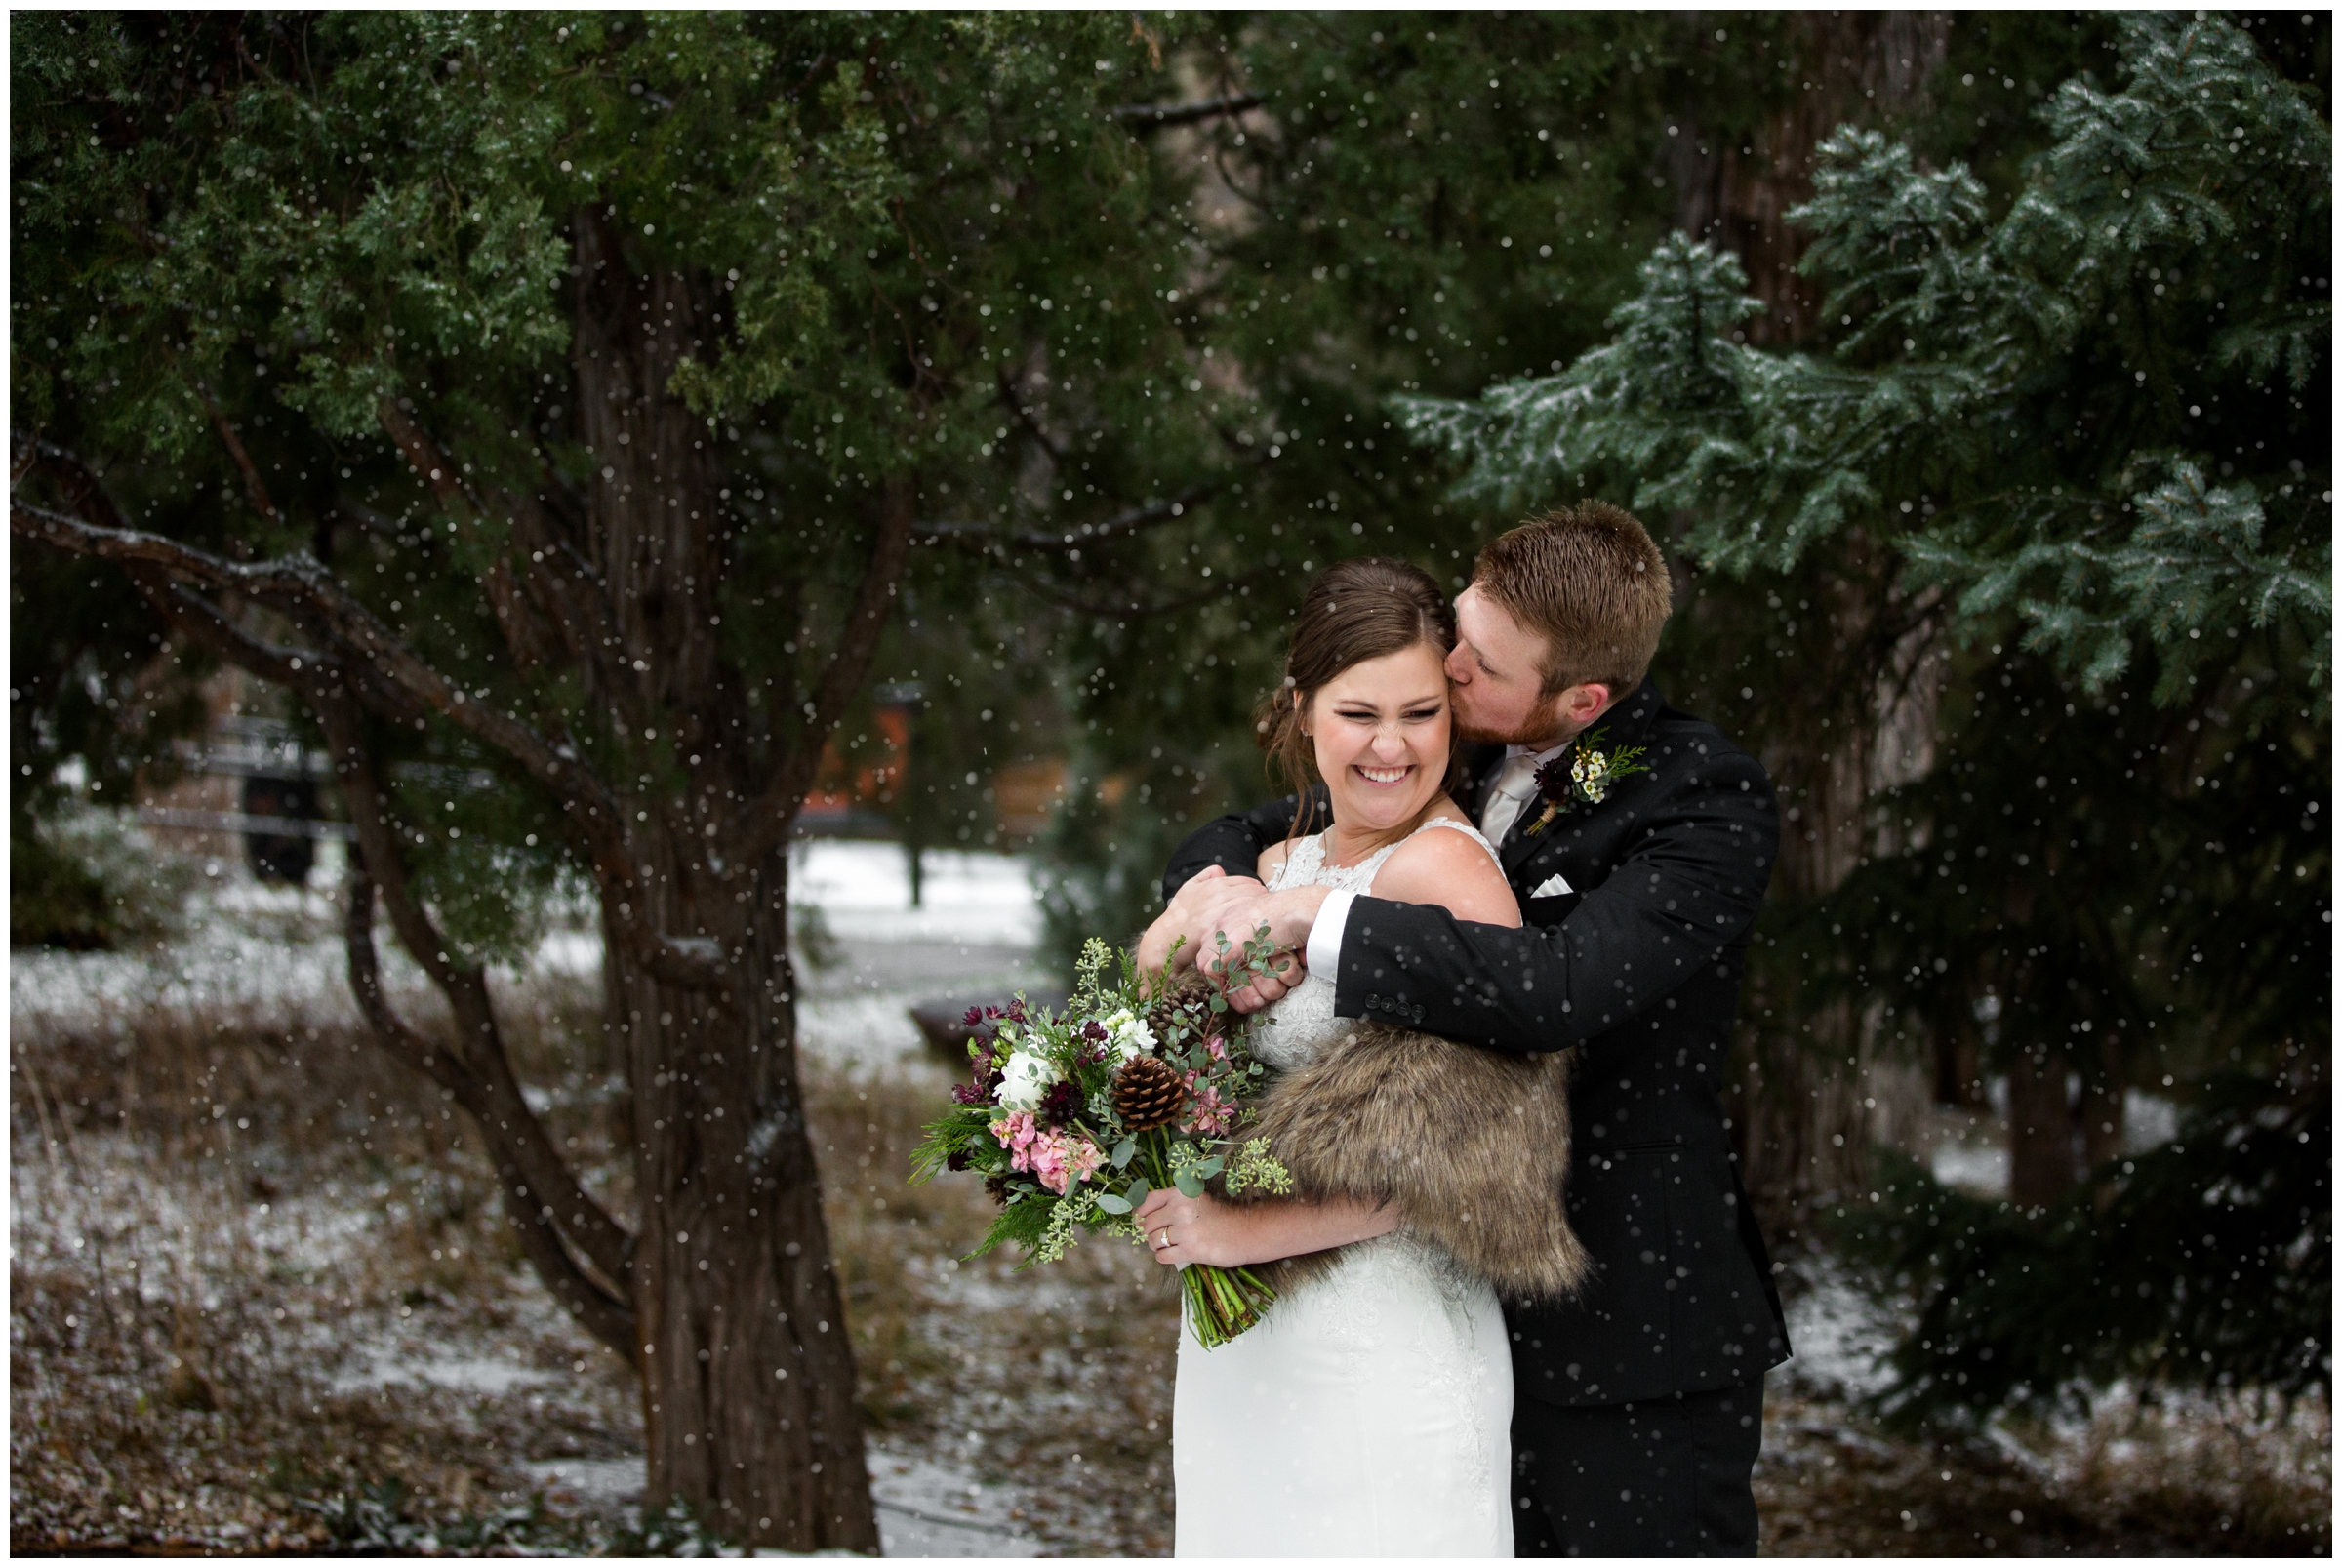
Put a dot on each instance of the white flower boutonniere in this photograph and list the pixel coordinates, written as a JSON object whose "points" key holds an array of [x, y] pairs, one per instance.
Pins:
{"points": [[1583, 774]]}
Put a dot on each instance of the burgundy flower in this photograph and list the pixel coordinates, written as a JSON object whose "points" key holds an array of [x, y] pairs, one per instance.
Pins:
{"points": [[974, 1019], [1553, 779], [1061, 1105]]}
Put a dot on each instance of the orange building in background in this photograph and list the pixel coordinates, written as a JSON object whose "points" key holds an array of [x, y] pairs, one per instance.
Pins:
{"points": [[858, 800]]}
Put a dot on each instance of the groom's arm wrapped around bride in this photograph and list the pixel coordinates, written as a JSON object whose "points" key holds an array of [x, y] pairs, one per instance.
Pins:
{"points": [[1636, 913]]}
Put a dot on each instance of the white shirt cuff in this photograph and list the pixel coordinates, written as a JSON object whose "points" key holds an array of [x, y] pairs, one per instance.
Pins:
{"points": [[1324, 954]]}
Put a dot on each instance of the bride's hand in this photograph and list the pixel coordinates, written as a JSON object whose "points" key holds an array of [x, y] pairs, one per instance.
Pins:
{"points": [[1181, 1230], [1290, 970]]}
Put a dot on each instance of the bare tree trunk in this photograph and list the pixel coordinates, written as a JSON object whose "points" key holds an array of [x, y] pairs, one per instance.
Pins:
{"points": [[1798, 1110], [1821, 1085], [749, 1383], [749, 1378], [2041, 1130], [2104, 1091], [680, 791], [1739, 197], [1959, 1060]]}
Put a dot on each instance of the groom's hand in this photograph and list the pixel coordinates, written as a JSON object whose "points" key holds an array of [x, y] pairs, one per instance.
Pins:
{"points": [[1194, 916]]}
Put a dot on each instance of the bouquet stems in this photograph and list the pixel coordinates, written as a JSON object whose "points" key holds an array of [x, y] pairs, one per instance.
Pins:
{"points": [[1223, 1303]]}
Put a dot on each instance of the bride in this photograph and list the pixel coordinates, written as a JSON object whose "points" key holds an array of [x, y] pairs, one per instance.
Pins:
{"points": [[1367, 1413]]}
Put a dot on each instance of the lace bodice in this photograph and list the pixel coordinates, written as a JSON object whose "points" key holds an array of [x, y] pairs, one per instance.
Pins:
{"points": [[1303, 1020]]}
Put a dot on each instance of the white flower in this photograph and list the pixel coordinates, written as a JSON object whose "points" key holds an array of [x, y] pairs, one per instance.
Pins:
{"points": [[1592, 771], [1025, 1080], [1132, 1036]]}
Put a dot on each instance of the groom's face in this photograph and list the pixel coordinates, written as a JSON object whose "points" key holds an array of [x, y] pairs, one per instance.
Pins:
{"points": [[1496, 678]]}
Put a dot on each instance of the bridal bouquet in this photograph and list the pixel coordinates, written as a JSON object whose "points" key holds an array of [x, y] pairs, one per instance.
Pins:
{"points": [[1073, 1119]]}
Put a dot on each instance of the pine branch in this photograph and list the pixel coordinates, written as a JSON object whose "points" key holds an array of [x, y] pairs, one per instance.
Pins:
{"points": [[1157, 116]]}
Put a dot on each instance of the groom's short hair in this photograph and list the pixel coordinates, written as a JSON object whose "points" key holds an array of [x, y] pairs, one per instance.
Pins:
{"points": [[1589, 582]]}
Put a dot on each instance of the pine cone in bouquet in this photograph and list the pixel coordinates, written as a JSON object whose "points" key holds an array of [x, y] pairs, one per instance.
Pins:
{"points": [[1182, 1014], [1148, 1094]]}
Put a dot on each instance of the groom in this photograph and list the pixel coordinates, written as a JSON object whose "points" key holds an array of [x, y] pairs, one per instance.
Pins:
{"points": [[1635, 1406]]}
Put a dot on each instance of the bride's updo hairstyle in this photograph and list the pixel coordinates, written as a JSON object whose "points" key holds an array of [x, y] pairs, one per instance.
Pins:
{"points": [[1355, 611]]}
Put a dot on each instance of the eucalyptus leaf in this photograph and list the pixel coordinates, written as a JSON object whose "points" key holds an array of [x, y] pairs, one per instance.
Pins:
{"points": [[1112, 1204], [1125, 1151]]}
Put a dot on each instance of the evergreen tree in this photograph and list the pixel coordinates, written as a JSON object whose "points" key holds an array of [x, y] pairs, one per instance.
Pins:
{"points": [[602, 402], [2073, 458]]}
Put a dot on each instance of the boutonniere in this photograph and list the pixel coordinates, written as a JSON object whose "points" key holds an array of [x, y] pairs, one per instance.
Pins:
{"points": [[1583, 775]]}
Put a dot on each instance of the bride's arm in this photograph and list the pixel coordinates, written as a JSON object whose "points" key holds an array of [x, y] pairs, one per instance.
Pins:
{"points": [[1211, 1230], [1450, 870]]}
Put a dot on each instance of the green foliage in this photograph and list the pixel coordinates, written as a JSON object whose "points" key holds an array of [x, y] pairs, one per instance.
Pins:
{"points": [[2209, 1268], [2042, 520], [78, 881], [2002, 396]]}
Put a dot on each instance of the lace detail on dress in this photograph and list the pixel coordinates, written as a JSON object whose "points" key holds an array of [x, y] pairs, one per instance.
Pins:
{"points": [[1303, 1023]]}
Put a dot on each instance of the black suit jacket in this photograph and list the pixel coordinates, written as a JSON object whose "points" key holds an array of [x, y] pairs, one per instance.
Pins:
{"points": [[1637, 968]]}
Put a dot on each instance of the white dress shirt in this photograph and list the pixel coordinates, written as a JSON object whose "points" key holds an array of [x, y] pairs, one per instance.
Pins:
{"points": [[1324, 950]]}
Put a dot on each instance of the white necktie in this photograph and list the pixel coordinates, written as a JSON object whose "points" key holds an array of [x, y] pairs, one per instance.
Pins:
{"points": [[1515, 786]]}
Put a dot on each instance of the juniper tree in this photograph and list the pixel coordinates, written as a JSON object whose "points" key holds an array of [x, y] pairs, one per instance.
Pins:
{"points": [[2070, 460], [597, 402]]}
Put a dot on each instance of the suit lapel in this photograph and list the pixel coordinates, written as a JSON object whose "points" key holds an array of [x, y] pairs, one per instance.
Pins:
{"points": [[1520, 844], [1624, 725]]}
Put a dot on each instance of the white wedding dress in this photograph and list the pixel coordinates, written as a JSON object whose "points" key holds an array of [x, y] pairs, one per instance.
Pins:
{"points": [[1368, 1414]]}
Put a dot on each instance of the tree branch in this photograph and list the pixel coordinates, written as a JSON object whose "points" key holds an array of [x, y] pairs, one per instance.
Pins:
{"points": [[1152, 116], [603, 1313], [1134, 520], [254, 487], [766, 819], [299, 585], [1023, 413], [476, 1071], [432, 466]]}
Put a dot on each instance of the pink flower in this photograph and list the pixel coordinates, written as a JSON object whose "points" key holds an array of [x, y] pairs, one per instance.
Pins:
{"points": [[1213, 1113], [1217, 1045], [1061, 1160], [1018, 1132], [1049, 1162]]}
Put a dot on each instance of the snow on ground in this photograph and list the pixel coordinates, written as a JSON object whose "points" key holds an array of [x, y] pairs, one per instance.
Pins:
{"points": [[1838, 1333], [863, 889], [271, 957]]}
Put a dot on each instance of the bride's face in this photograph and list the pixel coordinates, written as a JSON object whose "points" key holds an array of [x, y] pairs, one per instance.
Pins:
{"points": [[1381, 733]]}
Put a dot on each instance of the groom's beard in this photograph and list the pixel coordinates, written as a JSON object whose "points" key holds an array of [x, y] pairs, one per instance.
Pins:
{"points": [[1546, 730]]}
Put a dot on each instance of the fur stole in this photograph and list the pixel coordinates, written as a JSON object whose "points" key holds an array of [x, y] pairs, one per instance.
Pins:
{"points": [[1472, 1146]]}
